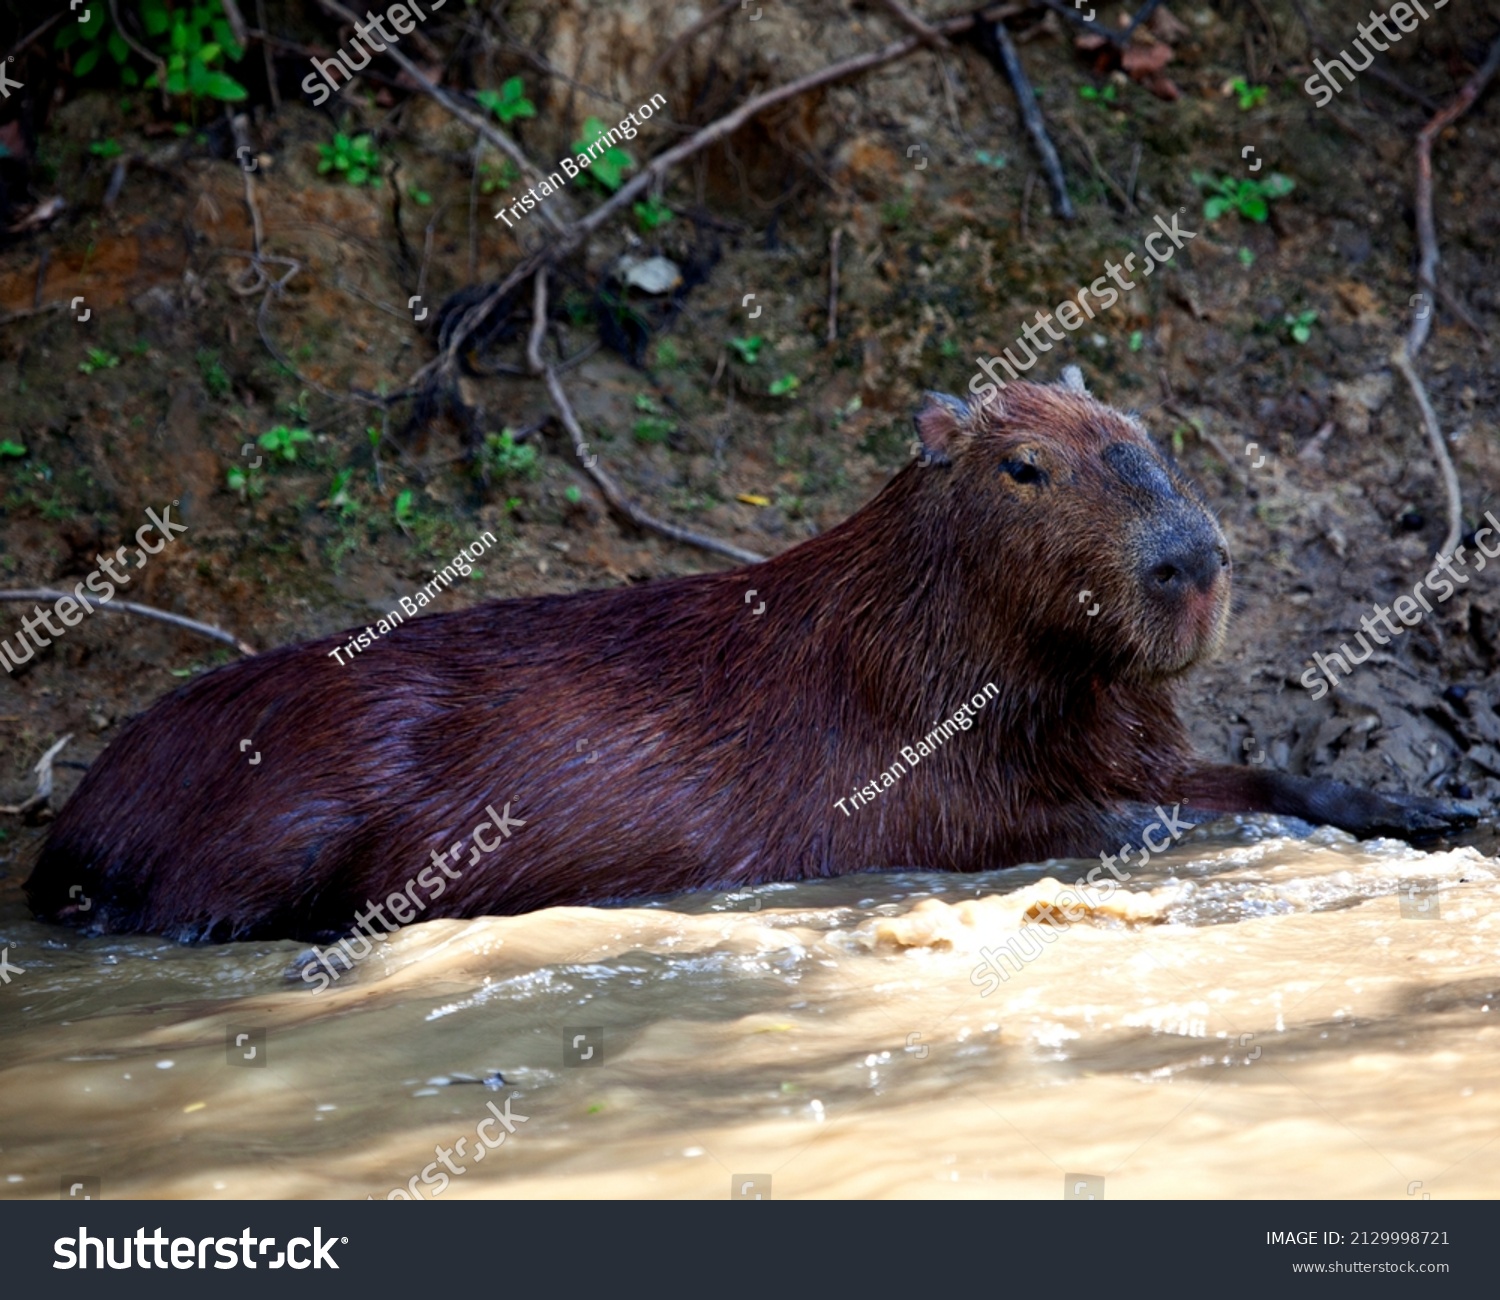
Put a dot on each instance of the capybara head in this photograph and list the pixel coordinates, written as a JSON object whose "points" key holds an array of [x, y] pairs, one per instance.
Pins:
{"points": [[1111, 545]]}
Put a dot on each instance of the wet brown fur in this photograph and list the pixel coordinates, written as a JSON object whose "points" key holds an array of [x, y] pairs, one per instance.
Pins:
{"points": [[721, 739]]}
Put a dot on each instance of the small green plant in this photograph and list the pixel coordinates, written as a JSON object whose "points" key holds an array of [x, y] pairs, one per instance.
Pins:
{"points": [[667, 354], [608, 168], [987, 159], [401, 512], [785, 385], [1108, 95], [356, 157], [507, 103], [652, 426], [1300, 325], [282, 441], [247, 482], [492, 179], [106, 148], [1137, 340], [1249, 96], [9, 448], [1250, 198], [419, 196], [215, 377], [1247, 258], [749, 349], [651, 214], [573, 494], [505, 458], [339, 497], [191, 41], [98, 359]]}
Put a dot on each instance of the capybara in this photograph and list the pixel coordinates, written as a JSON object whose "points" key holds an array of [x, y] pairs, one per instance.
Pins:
{"points": [[974, 670]]}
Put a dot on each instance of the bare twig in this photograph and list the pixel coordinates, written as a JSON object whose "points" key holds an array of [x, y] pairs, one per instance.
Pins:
{"points": [[1403, 362], [116, 606], [607, 486], [1093, 159], [707, 21], [161, 68], [915, 22], [43, 770], [1405, 354], [267, 57], [1004, 50], [30, 36], [833, 283]]}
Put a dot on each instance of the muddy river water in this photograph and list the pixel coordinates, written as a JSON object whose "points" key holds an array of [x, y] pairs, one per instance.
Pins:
{"points": [[1254, 1014]]}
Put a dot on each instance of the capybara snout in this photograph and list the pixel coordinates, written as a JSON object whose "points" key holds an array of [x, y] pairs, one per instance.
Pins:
{"points": [[1085, 500]]}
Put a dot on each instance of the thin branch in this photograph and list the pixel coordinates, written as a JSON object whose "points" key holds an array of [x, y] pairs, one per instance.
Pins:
{"points": [[1004, 49], [607, 486], [43, 770], [833, 283], [1404, 363], [707, 21], [1405, 354], [116, 606]]}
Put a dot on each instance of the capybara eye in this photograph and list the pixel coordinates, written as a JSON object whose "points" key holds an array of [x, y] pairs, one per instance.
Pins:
{"points": [[1022, 472]]}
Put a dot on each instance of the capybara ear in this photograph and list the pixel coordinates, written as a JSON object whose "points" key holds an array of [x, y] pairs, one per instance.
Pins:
{"points": [[940, 423], [1072, 380]]}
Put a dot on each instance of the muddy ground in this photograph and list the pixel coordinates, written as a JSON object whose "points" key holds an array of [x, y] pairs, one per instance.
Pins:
{"points": [[947, 244]]}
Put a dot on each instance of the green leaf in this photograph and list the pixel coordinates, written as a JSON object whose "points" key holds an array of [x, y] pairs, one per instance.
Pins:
{"points": [[208, 53], [1255, 208], [118, 50], [86, 61], [1277, 186], [786, 384], [67, 37], [1216, 208], [222, 86], [154, 15], [179, 36], [357, 175], [9, 448]]}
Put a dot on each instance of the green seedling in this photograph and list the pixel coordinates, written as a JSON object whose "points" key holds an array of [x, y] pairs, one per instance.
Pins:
{"points": [[246, 482], [608, 168], [573, 494], [401, 512], [509, 102], [987, 159], [9, 448], [1249, 96], [785, 385], [1300, 325], [1250, 198], [282, 441], [98, 359], [191, 41], [1247, 258], [355, 157], [1108, 95], [651, 214], [1137, 340], [492, 179], [339, 497], [506, 459], [420, 197], [215, 377], [106, 148], [749, 349]]}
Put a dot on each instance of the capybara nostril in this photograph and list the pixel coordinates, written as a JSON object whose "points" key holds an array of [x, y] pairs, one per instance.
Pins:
{"points": [[1186, 558]]}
